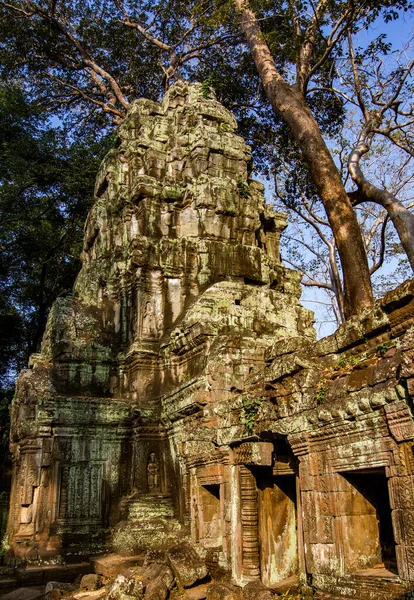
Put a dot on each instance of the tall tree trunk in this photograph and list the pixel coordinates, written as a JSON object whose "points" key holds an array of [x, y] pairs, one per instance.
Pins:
{"points": [[402, 218], [289, 103], [336, 282]]}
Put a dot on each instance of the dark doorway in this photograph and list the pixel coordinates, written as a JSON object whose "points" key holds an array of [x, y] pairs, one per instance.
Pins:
{"points": [[210, 525], [369, 522], [277, 527]]}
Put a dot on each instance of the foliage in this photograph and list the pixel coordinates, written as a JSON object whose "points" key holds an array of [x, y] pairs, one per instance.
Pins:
{"points": [[320, 392], [46, 187], [382, 349], [243, 189], [344, 366], [389, 114], [87, 61], [85, 58], [206, 86], [344, 362], [250, 410], [308, 244]]}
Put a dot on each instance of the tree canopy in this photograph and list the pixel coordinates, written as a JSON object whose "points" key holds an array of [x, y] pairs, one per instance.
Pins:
{"points": [[46, 188], [307, 92]]}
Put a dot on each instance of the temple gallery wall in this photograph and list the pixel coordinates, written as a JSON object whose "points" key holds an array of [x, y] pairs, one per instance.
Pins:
{"points": [[180, 393]]}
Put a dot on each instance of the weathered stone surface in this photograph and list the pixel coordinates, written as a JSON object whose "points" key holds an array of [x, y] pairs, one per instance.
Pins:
{"points": [[100, 594], [223, 591], [126, 588], [112, 565], [152, 581], [57, 594], [57, 589], [181, 255], [158, 557], [158, 588], [197, 593], [187, 565], [89, 582], [255, 590], [179, 394], [158, 579]]}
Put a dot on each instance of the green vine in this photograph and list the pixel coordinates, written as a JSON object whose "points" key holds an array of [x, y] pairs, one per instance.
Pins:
{"points": [[250, 409], [382, 349], [206, 86], [343, 366], [344, 362], [320, 392], [243, 188]]}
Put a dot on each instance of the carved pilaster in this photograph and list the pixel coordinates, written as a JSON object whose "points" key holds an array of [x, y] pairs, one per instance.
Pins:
{"points": [[400, 421], [250, 524]]}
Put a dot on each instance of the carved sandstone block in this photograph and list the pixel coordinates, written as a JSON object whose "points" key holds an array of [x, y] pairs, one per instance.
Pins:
{"points": [[186, 563], [400, 421], [254, 453], [405, 559]]}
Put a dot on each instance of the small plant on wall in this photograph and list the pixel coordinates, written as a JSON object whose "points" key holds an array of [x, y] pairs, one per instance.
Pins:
{"points": [[250, 409], [243, 188], [321, 391]]}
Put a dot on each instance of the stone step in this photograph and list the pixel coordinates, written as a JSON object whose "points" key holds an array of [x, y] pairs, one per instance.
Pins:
{"points": [[133, 536], [370, 584], [111, 565], [287, 586], [37, 575], [154, 524], [148, 506]]}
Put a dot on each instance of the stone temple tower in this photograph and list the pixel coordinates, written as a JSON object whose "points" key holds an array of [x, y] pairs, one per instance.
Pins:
{"points": [[130, 412]]}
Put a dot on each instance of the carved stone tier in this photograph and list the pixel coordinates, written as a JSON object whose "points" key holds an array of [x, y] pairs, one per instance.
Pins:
{"points": [[180, 390], [180, 294]]}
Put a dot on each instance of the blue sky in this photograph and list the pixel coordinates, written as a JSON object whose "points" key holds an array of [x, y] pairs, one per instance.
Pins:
{"points": [[398, 33]]}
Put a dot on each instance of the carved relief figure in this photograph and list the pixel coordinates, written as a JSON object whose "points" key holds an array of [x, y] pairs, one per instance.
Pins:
{"points": [[153, 473], [195, 520], [149, 322]]}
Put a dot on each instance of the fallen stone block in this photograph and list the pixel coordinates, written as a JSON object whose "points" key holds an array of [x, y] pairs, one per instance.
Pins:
{"points": [[156, 556], [56, 594], [197, 593], [159, 583], [126, 588], [187, 565], [150, 572], [223, 591], [56, 590], [95, 595], [112, 565], [89, 582], [287, 586], [157, 579], [256, 590], [156, 590]]}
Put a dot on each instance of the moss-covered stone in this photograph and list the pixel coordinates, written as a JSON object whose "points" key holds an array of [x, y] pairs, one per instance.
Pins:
{"points": [[180, 393]]}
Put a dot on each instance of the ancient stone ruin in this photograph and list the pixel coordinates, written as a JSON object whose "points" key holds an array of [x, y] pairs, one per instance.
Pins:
{"points": [[180, 394]]}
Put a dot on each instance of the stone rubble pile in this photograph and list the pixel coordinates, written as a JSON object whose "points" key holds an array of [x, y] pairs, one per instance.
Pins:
{"points": [[176, 574]]}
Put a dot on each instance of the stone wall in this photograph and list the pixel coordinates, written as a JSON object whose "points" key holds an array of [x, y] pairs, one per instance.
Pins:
{"points": [[180, 391], [338, 417], [180, 293], [5, 484]]}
